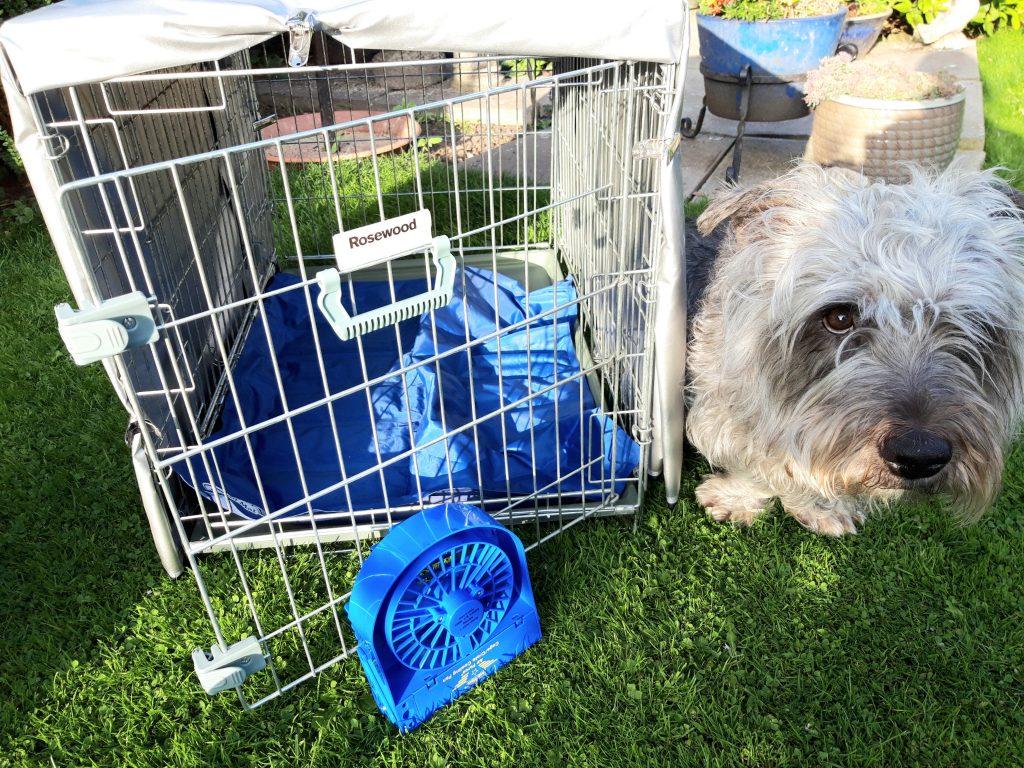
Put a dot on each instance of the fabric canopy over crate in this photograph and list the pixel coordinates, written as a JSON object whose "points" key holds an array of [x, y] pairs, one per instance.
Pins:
{"points": [[111, 38]]}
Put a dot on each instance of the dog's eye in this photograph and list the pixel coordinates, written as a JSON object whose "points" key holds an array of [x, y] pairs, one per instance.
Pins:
{"points": [[840, 319]]}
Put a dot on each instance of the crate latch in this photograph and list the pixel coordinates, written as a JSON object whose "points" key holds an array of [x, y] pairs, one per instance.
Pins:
{"points": [[219, 669], [300, 33], [96, 332], [264, 122]]}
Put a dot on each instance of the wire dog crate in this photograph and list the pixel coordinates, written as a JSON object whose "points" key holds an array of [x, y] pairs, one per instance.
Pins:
{"points": [[334, 285]]}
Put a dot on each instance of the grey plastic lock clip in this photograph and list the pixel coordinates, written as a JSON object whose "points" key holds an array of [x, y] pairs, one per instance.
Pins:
{"points": [[219, 669], [110, 328]]}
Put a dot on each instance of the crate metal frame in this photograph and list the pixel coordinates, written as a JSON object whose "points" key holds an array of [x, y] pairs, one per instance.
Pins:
{"points": [[133, 191]]}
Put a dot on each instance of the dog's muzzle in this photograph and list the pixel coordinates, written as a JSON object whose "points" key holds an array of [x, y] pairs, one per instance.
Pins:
{"points": [[915, 454]]}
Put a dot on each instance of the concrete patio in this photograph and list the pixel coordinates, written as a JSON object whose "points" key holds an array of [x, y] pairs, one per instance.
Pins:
{"points": [[770, 148]]}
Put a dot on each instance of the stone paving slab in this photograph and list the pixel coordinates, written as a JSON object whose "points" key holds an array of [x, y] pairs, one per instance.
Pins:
{"points": [[529, 154], [701, 156], [972, 159], [961, 62], [763, 158], [972, 137]]}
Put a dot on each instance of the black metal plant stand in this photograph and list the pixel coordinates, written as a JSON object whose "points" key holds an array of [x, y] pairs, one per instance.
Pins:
{"points": [[689, 129]]}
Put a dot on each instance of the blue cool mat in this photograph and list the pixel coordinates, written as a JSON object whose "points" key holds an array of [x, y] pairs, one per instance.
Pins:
{"points": [[407, 409]]}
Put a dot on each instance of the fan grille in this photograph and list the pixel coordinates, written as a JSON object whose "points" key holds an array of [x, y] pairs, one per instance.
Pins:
{"points": [[451, 606]]}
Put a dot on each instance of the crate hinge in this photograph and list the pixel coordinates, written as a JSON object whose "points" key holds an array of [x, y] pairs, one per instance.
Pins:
{"points": [[219, 669], [96, 332], [643, 434]]}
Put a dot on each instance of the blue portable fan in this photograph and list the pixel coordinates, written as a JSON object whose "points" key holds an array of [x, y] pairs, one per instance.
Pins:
{"points": [[442, 602]]}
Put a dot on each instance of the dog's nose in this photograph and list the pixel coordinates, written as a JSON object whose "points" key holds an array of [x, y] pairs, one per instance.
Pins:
{"points": [[915, 454]]}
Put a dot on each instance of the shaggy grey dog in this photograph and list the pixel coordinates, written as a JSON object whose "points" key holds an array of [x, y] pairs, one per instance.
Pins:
{"points": [[854, 342]]}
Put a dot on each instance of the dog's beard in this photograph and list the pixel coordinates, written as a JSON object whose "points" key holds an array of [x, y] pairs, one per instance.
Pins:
{"points": [[830, 438], [848, 464]]}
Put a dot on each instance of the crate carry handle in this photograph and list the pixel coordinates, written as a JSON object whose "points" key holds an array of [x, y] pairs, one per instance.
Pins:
{"points": [[349, 326]]}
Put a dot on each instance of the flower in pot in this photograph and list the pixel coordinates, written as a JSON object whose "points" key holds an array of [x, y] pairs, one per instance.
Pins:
{"points": [[756, 53], [874, 118], [864, 24]]}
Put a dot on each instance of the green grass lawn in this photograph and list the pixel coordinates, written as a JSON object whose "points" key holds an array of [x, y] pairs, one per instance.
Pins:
{"points": [[680, 643], [1001, 60]]}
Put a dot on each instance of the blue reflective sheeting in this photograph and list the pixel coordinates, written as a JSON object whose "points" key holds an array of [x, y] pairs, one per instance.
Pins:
{"points": [[525, 443]]}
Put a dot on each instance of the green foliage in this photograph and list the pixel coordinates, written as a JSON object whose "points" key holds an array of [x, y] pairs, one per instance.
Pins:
{"points": [[10, 159], [695, 207], [999, 14], [992, 15], [917, 12], [1001, 60], [20, 214], [11, 8], [766, 10], [869, 7], [531, 68], [423, 118]]}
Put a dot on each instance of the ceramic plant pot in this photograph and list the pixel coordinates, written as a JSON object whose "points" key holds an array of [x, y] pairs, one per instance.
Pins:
{"points": [[875, 136]]}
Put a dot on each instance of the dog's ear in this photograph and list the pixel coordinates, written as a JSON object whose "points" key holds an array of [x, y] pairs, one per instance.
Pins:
{"points": [[738, 204], [741, 204]]}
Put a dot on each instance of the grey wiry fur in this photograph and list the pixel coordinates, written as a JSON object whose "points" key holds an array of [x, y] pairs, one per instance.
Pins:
{"points": [[782, 407]]}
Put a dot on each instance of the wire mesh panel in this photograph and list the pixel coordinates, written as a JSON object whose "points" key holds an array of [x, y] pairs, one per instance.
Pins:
{"points": [[132, 234], [222, 191]]}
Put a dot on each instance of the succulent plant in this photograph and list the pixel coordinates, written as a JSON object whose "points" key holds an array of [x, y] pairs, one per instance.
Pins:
{"points": [[840, 75]]}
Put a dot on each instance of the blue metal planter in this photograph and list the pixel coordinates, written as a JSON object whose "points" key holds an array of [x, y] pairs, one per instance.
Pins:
{"points": [[860, 33], [779, 54]]}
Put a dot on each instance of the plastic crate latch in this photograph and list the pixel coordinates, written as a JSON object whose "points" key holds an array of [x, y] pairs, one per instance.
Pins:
{"points": [[97, 332]]}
